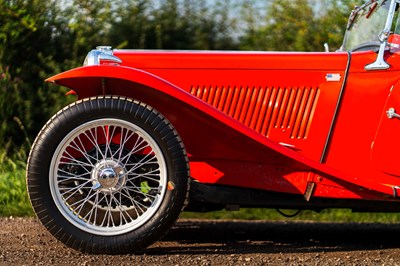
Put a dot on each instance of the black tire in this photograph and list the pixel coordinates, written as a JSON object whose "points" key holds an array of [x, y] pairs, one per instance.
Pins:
{"points": [[108, 175]]}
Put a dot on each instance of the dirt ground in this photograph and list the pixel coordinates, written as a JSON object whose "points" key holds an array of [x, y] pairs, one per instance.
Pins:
{"points": [[23, 241]]}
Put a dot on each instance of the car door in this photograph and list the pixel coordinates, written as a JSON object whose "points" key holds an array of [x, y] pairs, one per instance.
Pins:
{"points": [[386, 146]]}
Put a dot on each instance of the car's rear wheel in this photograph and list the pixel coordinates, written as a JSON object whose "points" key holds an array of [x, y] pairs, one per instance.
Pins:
{"points": [[108, 175]]}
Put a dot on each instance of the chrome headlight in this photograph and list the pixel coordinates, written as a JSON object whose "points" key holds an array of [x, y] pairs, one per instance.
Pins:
{"points": [[101, 53]]}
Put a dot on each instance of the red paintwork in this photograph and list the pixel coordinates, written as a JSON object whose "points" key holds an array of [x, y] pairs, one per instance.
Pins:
{"points": [[261, 120]]}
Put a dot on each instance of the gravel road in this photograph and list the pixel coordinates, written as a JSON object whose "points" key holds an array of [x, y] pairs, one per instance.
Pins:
{"points": [[23, 241]]}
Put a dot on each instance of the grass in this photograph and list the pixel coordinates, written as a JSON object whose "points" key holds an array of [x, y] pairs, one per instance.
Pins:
{"points": [[14, 201], [328, 215]]}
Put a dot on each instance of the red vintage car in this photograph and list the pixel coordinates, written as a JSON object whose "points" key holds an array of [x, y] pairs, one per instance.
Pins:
{"points": [[153, 133]]}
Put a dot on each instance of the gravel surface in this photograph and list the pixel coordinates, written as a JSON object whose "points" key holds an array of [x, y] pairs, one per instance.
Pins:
{"points": [[23, 241]]}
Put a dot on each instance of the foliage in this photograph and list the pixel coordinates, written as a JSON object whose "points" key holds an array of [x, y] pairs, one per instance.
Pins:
{"points": [[289, 29], [27, 53], [332, 23], [327, 215], [10, 90], [295, 25], [14, 199]]}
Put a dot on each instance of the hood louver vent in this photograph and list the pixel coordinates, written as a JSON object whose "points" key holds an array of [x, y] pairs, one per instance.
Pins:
{"points": [[265, 108]]}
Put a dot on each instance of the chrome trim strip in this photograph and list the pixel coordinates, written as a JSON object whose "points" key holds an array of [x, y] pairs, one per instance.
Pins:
{"points": [[335, 115]]}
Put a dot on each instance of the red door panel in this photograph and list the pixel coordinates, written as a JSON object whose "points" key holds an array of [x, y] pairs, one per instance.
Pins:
{"points": [[386, 146]]}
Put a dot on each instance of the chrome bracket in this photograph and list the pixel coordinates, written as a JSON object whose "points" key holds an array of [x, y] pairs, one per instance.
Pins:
{"points": [[380, 63], [309, 191]]}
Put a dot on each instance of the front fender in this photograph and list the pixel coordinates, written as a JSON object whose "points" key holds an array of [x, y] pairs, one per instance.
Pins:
{"points": [[205, 131], [165, 97], [100, 80]]}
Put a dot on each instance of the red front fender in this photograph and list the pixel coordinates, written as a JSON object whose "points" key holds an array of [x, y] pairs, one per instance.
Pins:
{"points": [[172, 101], [206, 132]]}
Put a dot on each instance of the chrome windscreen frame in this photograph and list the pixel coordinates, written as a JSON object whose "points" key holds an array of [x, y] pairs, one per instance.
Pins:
{"points": [[380, 63]]}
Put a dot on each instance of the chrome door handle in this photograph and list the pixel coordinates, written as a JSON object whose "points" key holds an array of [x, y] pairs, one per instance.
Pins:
{"points": [[391, 113]]}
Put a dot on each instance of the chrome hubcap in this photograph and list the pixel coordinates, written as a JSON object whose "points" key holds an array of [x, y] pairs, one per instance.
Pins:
{"points": [[108, 176]]}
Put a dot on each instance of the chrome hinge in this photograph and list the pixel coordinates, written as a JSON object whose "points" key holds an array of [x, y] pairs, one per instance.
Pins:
{"points": [[391, 113]]}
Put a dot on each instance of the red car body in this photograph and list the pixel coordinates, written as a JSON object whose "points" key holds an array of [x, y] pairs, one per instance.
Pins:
{"points": [[273, 129], [270, 121]]}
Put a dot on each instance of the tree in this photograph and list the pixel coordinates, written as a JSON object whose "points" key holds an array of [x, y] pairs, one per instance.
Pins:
{"points": [[332, 22], [297, 25], [89, 24], [291, 26], [28, 54], [251, 15], [130, 25]]}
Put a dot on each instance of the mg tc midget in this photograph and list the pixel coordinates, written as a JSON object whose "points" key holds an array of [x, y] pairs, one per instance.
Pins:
{"points": [[154, 133]]}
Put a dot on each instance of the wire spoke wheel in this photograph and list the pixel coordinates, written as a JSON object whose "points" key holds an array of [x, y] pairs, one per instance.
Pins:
{"points": [[109, 176], [117, 175]]}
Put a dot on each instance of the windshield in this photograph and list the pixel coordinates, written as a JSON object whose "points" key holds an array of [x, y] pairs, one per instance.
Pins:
{"points": [[365, 24]]}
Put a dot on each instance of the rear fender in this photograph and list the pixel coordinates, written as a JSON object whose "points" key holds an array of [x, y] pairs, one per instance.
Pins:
{"points": [[206, 131]]}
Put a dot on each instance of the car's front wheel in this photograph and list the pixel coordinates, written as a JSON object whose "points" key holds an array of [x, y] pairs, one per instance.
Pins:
{"points": [[108, 175]]}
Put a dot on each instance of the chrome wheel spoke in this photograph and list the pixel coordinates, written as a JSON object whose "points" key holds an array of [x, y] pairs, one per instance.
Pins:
{"points": [[136, 165], [81, 203], [74, 190], [93, 140]]}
